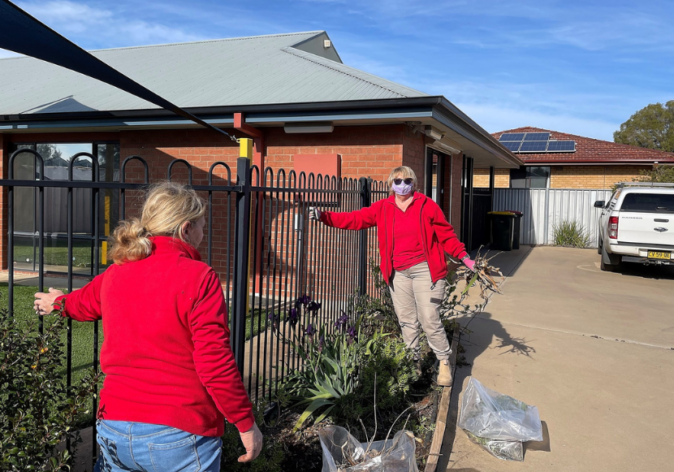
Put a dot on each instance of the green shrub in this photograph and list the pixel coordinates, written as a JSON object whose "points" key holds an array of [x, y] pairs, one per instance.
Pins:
{"points": [[37, 410], [570, 233], [391, 368]]}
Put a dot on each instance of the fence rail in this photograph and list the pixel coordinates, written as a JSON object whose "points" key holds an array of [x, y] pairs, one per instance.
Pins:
{"points": [[543, 209], [258, 239]]}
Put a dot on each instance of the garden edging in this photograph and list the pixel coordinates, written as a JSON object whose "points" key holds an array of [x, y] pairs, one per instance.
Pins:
{"points": [[443, 410]]}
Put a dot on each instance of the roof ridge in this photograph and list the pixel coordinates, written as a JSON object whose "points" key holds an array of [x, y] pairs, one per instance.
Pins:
{"points": [[301, 55], [241, 38], [315, 33]]}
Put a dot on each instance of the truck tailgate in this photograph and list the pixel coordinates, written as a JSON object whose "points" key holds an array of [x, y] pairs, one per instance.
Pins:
{"points": [[647, 218], [646, 228]]}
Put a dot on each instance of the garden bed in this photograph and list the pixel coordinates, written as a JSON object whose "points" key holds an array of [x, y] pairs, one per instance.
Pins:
{"points": [[302, 451]]}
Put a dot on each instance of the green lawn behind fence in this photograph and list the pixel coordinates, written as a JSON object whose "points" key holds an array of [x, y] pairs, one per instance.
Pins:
{"points": [[55, 252]]}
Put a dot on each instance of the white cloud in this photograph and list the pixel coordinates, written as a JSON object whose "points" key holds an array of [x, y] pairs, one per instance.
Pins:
{"points": [[93, 27]]}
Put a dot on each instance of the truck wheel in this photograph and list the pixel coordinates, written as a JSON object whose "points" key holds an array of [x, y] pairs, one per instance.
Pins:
{"points": [[599, 246], [612, 265]]}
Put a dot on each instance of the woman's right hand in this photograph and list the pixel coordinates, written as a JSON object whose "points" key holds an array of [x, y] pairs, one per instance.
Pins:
{"points": [[314, 214], [252, 441]]}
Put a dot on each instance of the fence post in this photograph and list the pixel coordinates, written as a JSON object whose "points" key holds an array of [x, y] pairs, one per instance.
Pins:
{"points": [[365, 185], [241, 254]]}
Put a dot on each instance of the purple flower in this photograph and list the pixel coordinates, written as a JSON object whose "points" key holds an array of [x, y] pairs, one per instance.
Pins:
{"points": [[313, 307], [292, 316], [303, 300], [321, 342], [341, 321], [310, 330], [352, 333]]}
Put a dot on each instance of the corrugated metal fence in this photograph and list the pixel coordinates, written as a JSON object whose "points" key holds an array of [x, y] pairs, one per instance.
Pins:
{"points": [[545, 208]]}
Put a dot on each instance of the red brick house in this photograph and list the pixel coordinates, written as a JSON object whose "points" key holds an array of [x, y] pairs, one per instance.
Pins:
{"points": [[561, 160], [290, 92]]}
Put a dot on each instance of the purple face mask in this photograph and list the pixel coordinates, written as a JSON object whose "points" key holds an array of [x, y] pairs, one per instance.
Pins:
{"points": [[402, 189]]}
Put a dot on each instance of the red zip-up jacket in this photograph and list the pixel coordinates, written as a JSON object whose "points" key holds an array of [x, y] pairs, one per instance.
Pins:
{"points": [[166, 352], [437, 235]]}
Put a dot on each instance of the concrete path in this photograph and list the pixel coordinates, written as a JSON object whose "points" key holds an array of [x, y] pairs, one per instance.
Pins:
{"points": [[592, 350]]}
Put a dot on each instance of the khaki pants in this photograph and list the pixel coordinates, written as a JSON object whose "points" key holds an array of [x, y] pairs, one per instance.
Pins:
{"points": [[416, 303]]}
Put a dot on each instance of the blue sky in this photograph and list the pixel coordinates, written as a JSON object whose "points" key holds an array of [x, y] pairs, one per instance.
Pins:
{"points": [[581, 67]]}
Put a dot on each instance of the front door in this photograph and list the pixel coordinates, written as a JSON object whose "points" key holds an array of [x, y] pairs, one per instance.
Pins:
{"points": [[435, 176]]}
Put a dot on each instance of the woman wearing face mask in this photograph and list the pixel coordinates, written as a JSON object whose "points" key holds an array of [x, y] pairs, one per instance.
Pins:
{"points": [[413, 236]]}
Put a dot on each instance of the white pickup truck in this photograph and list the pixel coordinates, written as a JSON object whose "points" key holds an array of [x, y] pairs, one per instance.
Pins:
{"points": [[637, 225]]}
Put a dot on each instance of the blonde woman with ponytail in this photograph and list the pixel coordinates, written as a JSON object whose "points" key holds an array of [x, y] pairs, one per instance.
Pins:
{"points": [[171, 378]]}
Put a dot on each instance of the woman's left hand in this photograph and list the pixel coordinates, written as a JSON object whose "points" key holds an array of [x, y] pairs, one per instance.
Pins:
{"points": [[44, 302], [470, 263]]}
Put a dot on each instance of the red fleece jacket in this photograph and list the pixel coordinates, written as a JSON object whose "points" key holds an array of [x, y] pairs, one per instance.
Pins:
{"points": [[437, 235], [166, 352]]}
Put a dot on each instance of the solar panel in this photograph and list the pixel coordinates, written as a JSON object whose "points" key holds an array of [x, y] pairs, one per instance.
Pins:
{"points": [[512, 145], [512, 137], [561, 146], [534, 146], [537, 137]]}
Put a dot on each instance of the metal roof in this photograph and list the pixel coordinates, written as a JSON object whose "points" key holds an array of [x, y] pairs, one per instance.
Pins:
{"points": [[274, 69]]}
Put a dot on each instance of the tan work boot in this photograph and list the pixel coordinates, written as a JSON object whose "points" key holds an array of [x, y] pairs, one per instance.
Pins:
{"points": [[444, 374]]}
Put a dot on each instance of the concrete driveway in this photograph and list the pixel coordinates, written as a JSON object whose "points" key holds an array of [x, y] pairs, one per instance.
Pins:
{"points": [[594, 351]]}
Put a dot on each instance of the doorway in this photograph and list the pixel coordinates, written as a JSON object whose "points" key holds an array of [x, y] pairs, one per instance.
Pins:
{"points": [[435, 183]]}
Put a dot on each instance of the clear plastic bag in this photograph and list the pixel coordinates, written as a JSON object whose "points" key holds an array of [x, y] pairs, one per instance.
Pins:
{"points": [[494, 420], [337, 444], [506, 450]]}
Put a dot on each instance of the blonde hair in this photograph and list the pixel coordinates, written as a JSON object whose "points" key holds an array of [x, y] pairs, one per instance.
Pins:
{"points": [[405, 173], [167, 207]]}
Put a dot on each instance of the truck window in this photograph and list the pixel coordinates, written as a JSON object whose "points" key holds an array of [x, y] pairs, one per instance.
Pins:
{"points": [[648, 203]]}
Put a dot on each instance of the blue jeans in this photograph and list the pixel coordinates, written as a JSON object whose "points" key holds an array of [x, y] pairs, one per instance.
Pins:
{"points": [[143, 447]]}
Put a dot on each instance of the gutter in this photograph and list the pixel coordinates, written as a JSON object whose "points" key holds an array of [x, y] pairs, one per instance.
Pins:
{"points": [[408, 108], [626, 162], [388, 103]]}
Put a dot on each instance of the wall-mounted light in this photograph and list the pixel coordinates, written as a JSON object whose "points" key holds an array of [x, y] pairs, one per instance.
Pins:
{"points": [[433, 133], [446, 147], [309, 127]]}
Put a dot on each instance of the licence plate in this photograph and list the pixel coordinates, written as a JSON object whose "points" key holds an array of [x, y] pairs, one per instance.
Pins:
{"points": [[659, 255]]}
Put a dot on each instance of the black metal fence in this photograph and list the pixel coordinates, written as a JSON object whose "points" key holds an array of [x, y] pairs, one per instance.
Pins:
{"points": [[259, 240]]}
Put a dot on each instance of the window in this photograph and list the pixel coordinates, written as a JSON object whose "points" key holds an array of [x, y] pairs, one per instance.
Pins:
{"points": [[530, 177], [648, 203], [56, 157]]}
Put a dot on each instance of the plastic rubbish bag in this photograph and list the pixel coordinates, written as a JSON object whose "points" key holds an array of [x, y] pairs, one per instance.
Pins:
{"points": [[338, 445], [506, 450], [497, 422]]}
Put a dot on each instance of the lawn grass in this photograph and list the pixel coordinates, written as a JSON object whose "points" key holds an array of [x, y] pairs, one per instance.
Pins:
{"points": [[55, 252]]}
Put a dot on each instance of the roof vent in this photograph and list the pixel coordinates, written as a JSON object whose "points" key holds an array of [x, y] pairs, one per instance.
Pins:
{"points": [[327, 43]]}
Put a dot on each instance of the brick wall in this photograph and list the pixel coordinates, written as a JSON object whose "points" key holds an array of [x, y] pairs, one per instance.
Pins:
{"points": [[592, 176], [501, 177], [414, 154], [365, 151], [569, 176]]}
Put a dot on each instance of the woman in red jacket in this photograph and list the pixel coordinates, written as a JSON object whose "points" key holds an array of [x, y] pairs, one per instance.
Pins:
{"points": [[171, 378], [413, 236]]}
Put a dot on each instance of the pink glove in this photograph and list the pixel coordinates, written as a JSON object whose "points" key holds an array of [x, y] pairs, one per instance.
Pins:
{"points": [[252, 441], [470, 263]]}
